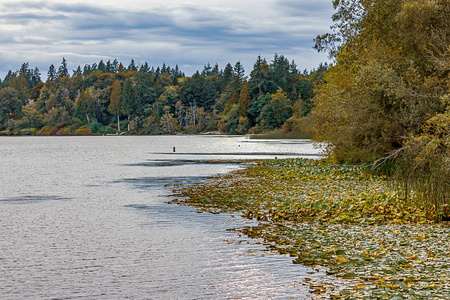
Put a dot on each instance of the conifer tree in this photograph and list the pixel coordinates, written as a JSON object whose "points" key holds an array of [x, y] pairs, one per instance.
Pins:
{"points": [[51, 73], [62, 70]]}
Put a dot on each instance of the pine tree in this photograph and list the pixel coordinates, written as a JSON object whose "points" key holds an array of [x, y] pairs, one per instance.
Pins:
{"points": [[115, 66], [101, 66], [51, 73], [109, 67], [132, 66], [36, 77], [62, 70]]}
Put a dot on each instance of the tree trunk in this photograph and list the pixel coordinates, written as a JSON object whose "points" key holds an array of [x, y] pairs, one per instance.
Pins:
{"points": [[129, 125], [168, 126], [118, 123]]}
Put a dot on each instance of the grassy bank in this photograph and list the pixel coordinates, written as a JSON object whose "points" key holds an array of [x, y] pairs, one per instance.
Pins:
{"points": [[339, 217]]}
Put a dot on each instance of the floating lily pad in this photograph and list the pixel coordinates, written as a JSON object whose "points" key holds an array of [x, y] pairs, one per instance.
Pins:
{"points": [[376, 244]]}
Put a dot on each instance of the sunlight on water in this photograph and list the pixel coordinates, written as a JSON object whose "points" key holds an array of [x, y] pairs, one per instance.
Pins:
{"points": [[87, 218]]}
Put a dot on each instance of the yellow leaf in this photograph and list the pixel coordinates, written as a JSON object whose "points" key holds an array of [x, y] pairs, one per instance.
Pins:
{"points": [[412, 257]]}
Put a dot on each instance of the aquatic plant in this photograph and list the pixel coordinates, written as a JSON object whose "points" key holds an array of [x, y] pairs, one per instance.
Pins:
{"points": [[378, 243]]}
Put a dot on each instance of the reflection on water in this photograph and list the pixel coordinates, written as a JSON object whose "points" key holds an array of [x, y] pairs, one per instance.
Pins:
{"points": [[158, 182], [177, 162], [83, 218], [32, 198]]}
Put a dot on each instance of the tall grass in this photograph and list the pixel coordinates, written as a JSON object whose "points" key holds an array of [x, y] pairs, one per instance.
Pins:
{"points": [[430, 188], [422, 167]]}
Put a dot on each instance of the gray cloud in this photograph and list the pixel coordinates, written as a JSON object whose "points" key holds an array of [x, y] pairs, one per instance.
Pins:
{"points": [[53, 7], [23, 18], [308, 9], [42, 32]]}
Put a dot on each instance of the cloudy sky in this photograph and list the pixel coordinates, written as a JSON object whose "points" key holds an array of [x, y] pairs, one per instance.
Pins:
{"points": [[188, 33]]}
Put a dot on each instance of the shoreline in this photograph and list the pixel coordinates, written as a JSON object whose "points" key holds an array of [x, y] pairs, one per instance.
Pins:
{"points": [[377, 244]]}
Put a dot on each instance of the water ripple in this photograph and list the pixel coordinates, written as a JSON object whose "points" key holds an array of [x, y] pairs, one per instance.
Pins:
{"points": [[33, 198]]}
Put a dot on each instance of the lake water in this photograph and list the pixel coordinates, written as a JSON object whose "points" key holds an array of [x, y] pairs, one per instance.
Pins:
{"points": [[87, 218]]}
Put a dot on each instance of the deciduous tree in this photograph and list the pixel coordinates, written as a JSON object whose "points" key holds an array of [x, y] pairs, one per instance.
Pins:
{"points": [[115, 105]]}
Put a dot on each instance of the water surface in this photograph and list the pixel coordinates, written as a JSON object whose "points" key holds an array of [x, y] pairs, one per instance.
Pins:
{"points": [[87, 218]]}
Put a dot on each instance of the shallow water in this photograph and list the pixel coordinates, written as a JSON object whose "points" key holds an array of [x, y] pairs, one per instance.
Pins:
{"points": [[87, 218]]}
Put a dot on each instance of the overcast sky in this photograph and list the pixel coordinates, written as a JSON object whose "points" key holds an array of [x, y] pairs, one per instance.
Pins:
{"points": [[188, 33]]}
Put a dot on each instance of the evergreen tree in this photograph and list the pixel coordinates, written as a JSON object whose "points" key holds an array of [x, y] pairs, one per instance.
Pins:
{"points": [[132, 66], [8, 78], [207, 70], [62, 70], [215, 70], [87, 70], [145, 69], [115, 66], [51, 73], [281, 72], [227, 75], [239, 72], [101, 66], [77, 71], [261, 81], [27, 74], [109, 67], [36, 77]]}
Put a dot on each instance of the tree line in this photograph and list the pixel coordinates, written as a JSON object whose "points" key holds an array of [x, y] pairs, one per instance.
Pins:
{"points": [[109, 97]]}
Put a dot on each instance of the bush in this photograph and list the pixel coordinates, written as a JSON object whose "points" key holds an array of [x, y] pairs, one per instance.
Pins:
{"points": [[27, 131], [48, 130], [83, 130], [5, 132], [301, 126]]}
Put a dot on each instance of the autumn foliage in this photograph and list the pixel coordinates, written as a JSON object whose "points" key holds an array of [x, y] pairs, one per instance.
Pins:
{"points": [[110, 98], [386, 96]]}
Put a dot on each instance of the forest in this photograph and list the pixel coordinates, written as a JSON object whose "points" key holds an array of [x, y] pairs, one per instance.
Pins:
{"points": [[109, 98]]}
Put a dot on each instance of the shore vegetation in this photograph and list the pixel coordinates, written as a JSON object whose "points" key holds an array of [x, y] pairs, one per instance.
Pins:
{"points": [[359, 226]]}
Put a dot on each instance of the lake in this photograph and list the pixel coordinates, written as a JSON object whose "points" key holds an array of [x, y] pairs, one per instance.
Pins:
{"points": [[88, 218]]}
